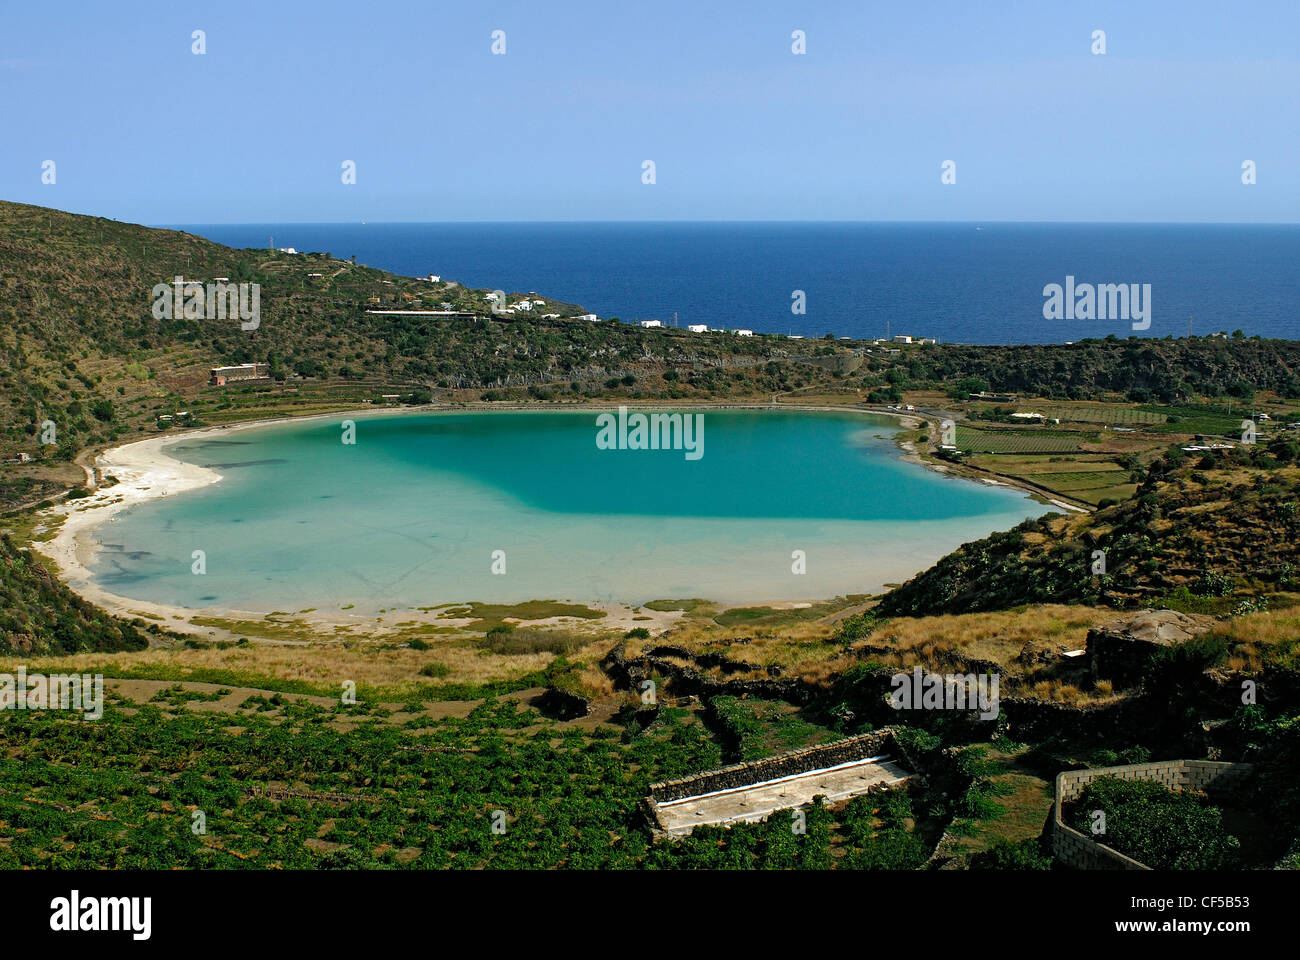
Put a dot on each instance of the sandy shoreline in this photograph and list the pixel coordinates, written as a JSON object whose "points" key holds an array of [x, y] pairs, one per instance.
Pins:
{"points": [[144, 472]]}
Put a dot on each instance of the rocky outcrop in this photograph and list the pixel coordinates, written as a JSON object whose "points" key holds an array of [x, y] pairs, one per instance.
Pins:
{"points": [[1124, 651]]}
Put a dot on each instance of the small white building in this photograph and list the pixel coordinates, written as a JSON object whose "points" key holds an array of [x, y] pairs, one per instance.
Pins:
{"points": [[434, 278], [1029, 417], [591, 317], [744, 333], [900, 338], [698, 327], [651, 323]]}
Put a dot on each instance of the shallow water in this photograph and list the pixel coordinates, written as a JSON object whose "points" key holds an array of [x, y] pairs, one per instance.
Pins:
{"points": [[413, 512]]}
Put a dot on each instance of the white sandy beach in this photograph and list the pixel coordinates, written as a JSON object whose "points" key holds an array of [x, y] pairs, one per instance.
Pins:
{"points": [[144, 472]]}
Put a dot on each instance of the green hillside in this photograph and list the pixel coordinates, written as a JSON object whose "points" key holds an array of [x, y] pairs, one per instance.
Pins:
{"points": [[1204, 533], [39, 615]]}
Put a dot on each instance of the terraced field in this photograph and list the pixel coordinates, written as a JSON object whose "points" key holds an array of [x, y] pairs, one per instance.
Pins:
{"points": [[1090, 478], [1018, 440], [1105, 413]]}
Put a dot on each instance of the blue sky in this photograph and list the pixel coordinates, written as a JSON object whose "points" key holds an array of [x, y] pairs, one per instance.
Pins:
{"points": [[739, 127]]}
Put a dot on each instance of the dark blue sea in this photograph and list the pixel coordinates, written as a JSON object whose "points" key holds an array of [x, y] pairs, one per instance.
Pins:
{"points": [[957, 282]]}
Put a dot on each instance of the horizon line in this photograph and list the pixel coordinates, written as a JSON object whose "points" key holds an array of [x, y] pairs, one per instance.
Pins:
{"points": [[1116, 223]]}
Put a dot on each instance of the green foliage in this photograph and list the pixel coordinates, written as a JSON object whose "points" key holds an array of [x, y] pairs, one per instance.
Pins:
{"points": [[1160, 828], [39, 614]]}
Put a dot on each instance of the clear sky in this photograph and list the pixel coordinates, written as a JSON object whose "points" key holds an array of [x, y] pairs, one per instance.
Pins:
{"points": [[739, 127]]}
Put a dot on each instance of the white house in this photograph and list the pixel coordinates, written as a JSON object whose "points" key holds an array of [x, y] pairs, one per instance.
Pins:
{"points": [[1035, 417], [744, 333], [434, 278], [651, 323], [900, 338], [587, 316], [698, 327]]}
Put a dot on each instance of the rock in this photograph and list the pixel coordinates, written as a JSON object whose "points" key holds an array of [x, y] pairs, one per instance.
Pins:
{"points": [[1122, 651]]}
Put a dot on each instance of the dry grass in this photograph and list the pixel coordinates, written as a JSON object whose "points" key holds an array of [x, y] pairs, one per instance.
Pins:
{"points": [[808, 649], [1258, 640], [327, 664]]}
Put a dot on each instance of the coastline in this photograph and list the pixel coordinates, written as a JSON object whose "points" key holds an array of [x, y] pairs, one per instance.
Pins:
{"points": [[144, 472]]}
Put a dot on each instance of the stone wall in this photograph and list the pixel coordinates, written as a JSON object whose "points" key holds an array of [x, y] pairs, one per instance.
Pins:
{"points": [[1079, 850]]}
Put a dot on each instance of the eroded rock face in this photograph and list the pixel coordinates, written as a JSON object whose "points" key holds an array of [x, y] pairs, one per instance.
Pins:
{"points": [[1122, 651]]}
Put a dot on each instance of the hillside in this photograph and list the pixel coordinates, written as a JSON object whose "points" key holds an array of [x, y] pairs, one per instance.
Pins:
{"points": [[80, 347], [39, 615], [1204, 532]]}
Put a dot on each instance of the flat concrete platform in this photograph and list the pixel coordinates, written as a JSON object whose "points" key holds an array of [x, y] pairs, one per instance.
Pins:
{"points": [[759, 800]]}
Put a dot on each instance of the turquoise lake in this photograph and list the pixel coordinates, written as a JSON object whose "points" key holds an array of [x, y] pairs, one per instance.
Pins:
{"points": [[412, 513]]}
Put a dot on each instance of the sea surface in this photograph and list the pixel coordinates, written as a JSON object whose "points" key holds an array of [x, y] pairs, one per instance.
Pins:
{"points": [[414, 511], [957, 282]]}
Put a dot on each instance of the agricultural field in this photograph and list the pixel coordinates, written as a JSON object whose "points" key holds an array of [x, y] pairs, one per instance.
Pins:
{"points": [[196, 780], [1019, 440], [1089, 478], [1116, 414], [1194, 420]]}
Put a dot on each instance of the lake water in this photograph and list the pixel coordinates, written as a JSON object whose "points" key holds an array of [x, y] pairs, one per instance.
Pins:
{"points": [[412, 513]]}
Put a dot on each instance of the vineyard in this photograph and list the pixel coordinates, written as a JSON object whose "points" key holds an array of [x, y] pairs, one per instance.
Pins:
{"points": [[1115, 414], [279, 785], [975, 440]]}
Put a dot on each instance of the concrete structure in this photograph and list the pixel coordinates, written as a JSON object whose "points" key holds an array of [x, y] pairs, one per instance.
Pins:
{"points": [[587, 316], [651, 323], [744, 333], [240, 372], [698, 327], [748, 792], [1079, 850], [900, 338]]}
